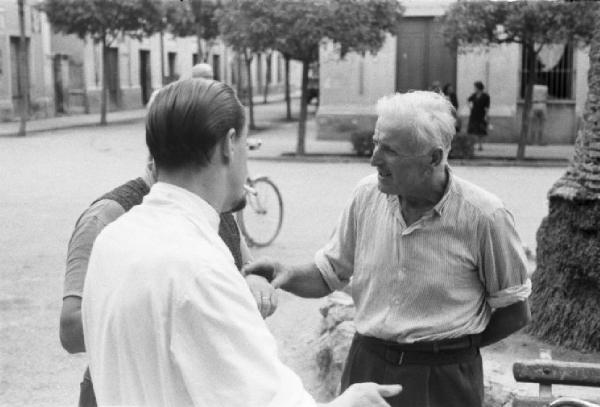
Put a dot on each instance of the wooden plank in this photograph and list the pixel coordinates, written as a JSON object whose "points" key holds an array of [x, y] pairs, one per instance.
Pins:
{"points": [[557, 372], [522, 401]]}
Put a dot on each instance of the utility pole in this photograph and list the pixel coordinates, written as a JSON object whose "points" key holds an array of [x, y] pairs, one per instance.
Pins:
{"points": [[23, 71]]}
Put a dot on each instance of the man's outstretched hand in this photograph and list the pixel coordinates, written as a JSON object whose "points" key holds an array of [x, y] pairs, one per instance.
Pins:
{"points": [[264, 294], [366, 395], [268, 268]]}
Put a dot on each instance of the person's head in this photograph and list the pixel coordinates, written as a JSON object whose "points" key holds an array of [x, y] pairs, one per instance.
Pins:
{"points": [[202, 71], [197, 126], [411, 140], [479, 86], [448, 89]]}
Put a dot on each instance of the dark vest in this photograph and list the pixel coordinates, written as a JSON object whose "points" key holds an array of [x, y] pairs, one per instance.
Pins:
{"points": [[230, 233], [132, 193]]}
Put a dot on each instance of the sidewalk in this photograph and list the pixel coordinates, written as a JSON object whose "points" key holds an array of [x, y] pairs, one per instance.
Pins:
{"points": [[70, 122], [280, 136], [8, 129], [279, 143]]}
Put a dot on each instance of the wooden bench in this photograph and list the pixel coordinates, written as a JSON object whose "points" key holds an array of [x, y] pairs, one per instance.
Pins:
{"points": [[547, 372]]}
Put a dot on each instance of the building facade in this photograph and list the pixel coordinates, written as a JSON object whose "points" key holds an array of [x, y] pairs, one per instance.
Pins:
{"points": [[417, 58], [38, 49], [65, 72]]}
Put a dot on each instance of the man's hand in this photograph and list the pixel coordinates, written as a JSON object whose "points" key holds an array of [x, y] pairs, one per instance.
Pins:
{"points": [[366, 395], [264, 294], [268, 268]]}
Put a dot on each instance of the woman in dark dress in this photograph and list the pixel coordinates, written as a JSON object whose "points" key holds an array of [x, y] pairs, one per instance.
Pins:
{"points": [[478, 120]]}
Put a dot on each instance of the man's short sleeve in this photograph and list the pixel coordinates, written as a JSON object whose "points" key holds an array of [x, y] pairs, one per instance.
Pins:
{"points": [[502, 262], [335, 260], [87, 229]]}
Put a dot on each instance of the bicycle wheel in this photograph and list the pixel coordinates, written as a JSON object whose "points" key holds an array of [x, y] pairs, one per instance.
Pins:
{"points": [[260, 221]]}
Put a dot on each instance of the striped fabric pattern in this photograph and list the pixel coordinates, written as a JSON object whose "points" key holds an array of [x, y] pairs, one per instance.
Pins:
{"points": [[438, 278]]}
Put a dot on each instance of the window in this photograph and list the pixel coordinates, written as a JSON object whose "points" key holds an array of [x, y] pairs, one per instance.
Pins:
{"points": [[554, 68]]}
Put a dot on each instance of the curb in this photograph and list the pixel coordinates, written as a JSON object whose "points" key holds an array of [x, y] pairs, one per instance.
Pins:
{"points": [[73, 126]]}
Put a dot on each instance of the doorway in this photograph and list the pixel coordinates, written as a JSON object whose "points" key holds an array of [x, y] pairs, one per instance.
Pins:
{"points": [[145, 76], [422, 57]]}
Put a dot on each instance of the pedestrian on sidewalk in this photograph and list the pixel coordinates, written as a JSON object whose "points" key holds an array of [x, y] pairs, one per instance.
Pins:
{"points": [[479, 102], [449, 92], [539, 113]]}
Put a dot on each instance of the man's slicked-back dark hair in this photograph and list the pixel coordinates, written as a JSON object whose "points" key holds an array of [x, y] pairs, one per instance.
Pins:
{"points": [[188, 118]]}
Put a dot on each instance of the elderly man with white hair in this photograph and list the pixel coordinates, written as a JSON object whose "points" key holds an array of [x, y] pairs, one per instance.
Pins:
{"points": [[435, 265]]}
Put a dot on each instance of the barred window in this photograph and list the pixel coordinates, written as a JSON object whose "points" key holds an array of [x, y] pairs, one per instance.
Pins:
{"points": [[554, 68]]}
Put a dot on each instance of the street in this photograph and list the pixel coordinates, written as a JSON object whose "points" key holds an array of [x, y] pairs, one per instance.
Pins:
{"points": [[48, 179]]}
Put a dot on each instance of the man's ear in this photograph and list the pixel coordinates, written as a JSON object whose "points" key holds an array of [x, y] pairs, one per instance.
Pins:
{"points": [[227, 146], [437, 156]]}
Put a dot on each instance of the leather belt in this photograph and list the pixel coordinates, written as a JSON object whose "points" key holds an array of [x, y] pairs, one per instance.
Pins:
{"points": [[445, 351]]}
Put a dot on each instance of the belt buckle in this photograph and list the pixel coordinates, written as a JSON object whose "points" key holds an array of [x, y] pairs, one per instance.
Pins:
{"points": [[401, 359], [391, 356]]}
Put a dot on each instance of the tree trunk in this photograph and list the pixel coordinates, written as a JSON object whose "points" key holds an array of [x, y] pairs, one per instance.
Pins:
{"points": [[566, 285], [199, 43], [300, 147], [23, 71], [162, 58], [288, 99], [526, 114], [267, 78], [105, 74], [248, 61]]}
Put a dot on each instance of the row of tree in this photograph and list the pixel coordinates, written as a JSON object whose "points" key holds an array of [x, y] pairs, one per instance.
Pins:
{"points": [[296, 29]]}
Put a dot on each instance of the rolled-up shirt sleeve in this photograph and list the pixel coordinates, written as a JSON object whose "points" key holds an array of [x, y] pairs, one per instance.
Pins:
{"points": [[502, 261], [87, 229], [335, 260]]}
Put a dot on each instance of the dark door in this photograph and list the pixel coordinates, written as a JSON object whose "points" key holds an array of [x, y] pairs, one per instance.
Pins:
{"points": [[216, 63], [145, 76], [114, 88], [15, 69], [60, 92], [422, 57]]}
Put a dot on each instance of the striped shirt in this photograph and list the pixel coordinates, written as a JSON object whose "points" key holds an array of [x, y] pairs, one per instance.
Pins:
{"points": [[438, 278]]}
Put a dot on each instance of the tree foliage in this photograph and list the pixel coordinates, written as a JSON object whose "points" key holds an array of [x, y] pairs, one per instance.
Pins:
{"points": [[533, 24], [193, 18], [476, 23], [104, 19]]}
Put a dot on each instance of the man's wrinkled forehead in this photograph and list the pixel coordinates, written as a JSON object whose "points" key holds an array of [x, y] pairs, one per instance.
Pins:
{"points": [[388, 130]]}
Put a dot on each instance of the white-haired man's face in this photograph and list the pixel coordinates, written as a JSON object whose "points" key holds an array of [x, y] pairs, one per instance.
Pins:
{"points": [[401, 169]]}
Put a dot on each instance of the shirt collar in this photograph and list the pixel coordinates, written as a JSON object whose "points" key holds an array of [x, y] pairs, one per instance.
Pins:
{"points": [[196, 208], [441, 205]]}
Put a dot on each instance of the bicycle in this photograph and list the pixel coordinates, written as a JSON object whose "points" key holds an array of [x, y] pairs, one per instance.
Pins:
{"points": [[261, 220]]}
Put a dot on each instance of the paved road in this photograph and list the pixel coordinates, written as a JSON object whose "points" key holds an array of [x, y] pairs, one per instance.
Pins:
{"points": [[48, 179]]}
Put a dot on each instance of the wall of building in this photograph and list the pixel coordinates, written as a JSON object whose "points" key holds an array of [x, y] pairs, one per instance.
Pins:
{"points": [[345, 110], [39, 64]]}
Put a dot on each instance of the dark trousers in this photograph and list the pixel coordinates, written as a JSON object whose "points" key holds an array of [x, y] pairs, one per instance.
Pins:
{"points": [[430, 374], [87, 397]]}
